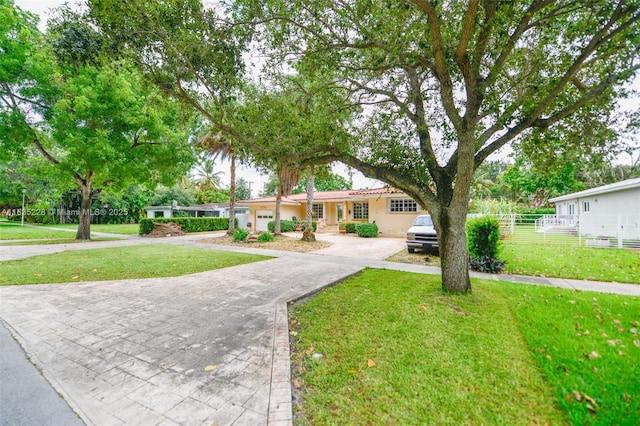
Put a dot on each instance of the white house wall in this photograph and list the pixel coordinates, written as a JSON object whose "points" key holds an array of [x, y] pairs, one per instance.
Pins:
{"points": [[613, 214]]}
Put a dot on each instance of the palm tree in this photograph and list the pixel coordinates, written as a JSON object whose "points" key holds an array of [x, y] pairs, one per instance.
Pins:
{"points": [[220, 147], [206, 177], [308, 234]]}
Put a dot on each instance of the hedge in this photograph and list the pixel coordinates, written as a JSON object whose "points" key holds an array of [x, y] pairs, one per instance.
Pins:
{"points": [[291, 225], [188, 224], [367, 230]]}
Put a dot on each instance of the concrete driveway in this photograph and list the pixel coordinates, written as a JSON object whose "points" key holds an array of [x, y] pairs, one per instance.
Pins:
{"points": [[198, 349]]}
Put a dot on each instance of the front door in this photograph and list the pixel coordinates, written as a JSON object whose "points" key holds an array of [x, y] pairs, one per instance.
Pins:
{"points": [[339, 212]]}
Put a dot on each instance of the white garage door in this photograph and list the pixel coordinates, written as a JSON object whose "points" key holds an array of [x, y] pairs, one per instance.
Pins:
{"points": [[263, 217]]}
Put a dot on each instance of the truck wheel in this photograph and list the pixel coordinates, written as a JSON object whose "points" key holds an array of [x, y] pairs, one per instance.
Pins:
{"points": [[411, 250]]}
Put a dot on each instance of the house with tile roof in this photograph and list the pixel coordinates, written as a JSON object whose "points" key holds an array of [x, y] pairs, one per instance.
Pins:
{"points": [[391, 209]]}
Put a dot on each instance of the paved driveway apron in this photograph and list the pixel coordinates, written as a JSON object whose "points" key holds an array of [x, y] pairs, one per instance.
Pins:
{"points": [[188, 350]]}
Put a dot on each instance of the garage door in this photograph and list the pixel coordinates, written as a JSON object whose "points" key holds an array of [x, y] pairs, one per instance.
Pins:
{"points": [[263, 217]]}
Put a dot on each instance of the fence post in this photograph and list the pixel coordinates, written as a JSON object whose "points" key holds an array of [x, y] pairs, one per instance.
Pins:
{"points": [[513, 225], [579, 233]]}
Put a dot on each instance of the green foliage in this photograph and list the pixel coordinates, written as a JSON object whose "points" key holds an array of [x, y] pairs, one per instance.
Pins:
{"points": [[243, 189], [240, 235], [164, 196], [367, 230], [291, 225], [483, 237], [188, 224], [350, 227], [487, 264], [265, 237], [323, 181]]}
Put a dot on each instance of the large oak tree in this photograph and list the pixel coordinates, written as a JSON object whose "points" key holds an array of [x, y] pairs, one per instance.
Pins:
{"points": [[445, 84]]}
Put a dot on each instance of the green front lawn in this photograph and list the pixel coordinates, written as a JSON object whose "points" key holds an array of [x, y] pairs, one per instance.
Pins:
{"points": [[123, 229], [144, 261], [396, 350], [582, 263], [13, 231]]}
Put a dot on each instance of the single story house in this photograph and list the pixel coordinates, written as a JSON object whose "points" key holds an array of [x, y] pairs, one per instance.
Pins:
{"points": [[606, 212], [201, 210], [392, 210]]}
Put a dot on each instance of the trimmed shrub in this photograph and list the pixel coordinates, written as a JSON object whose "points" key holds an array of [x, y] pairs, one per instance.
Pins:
{"points": [[367, 230], [240, 235], [351, 227], [265, 237], [290, 225], [188, 224], [483, 237]]}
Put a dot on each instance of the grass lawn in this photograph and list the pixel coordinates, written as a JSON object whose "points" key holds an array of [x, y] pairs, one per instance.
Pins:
{"points": [[13, 231], [124, 228], [54, 241], [145, 261], [619, 265], [396, 350]]}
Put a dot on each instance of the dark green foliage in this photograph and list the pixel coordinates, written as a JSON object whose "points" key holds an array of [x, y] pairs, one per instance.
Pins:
{"points": [[188, 224], [367, 230], [240, 235], [483, 237], [291, 225], [265, 237], [486, 264], [349, 227]]}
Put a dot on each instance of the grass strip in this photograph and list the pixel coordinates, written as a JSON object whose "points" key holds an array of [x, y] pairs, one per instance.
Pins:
{"points": [[55, 241], [144, 261], [13, 231]]}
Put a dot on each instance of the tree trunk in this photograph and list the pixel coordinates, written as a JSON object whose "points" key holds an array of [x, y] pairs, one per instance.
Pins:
{"points": [[84, 228], [454, 259], [232, 196], [308, 229], [276, 226]]}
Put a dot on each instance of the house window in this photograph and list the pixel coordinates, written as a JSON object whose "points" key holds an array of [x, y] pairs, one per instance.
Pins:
{"points": [[402, 205], [317, 210], [361, 210], [585, 206], [572, 209]]}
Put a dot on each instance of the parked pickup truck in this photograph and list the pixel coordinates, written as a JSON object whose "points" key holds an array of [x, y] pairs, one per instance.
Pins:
{"points": [[422, 235]]}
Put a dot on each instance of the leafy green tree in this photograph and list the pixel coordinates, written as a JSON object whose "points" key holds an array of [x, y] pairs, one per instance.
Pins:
{"points": [[324, 180], [243, 189], [92, 118], [270, 187], [445, 84], [184, 193]]}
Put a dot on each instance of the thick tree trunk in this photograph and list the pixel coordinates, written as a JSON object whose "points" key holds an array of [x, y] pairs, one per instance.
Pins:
{"points": [[276, 227], [454, 260], [308, 234], [232, 196], [84, 228]]}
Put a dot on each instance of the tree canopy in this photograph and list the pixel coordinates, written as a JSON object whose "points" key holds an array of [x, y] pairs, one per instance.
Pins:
{"points": [[445, 84]]}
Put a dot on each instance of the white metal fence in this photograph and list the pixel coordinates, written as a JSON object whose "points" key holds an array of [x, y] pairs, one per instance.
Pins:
{"points": [[587, 230]]}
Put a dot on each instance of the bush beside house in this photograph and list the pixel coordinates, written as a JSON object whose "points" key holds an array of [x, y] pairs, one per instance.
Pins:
{"points": [[188, 224]]}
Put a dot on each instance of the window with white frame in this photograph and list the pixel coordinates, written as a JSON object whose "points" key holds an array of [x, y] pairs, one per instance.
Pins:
{"points": [[317, 210], [572, 209], [402, 205], [585, 207], [361, 210]]}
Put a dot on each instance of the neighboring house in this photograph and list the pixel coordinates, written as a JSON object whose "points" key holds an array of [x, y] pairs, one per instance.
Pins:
{"points": [[201, 210], [392, 210], [606, 212]]}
